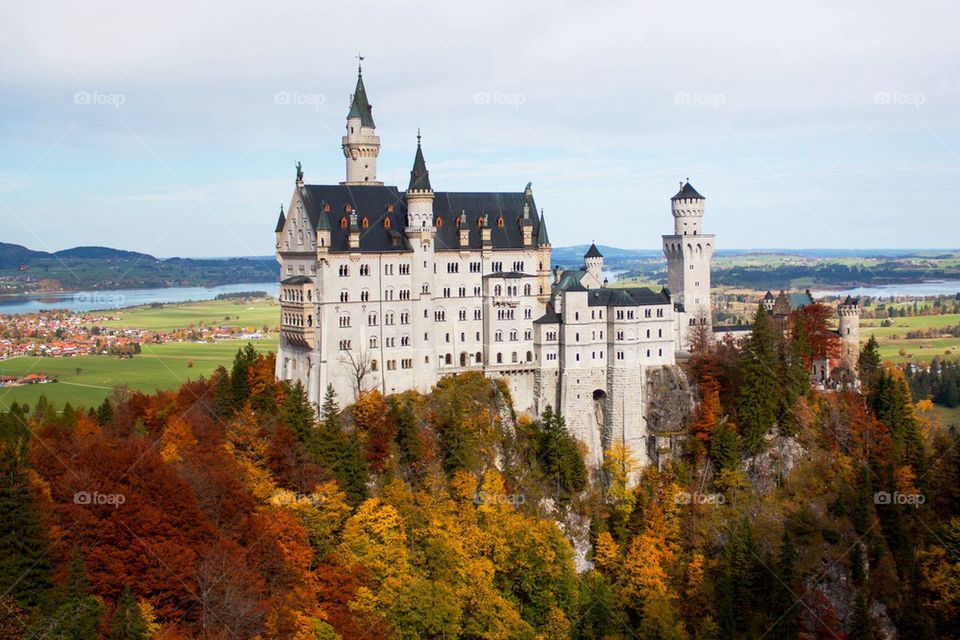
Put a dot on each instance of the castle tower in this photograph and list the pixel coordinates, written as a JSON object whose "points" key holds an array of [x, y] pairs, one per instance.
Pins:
{"points": [[689, 255], [419, 193], [849, 312], [361, 145], [593, 260]]}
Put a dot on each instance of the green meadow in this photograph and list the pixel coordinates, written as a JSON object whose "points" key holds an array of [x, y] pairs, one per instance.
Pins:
{"points": [[87, 380], [893, 339]]}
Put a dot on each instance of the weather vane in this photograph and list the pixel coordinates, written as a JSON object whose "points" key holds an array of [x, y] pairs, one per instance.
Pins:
{"points": [[359, 62]]}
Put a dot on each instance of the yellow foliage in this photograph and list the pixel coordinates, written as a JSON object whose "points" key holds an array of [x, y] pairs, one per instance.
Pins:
{"points": [[177, 437], [375, 538], [606, 553]]}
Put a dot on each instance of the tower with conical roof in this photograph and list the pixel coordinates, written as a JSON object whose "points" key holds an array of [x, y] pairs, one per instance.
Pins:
{"points": [[361, 145], [689, 255], [419, 193]]}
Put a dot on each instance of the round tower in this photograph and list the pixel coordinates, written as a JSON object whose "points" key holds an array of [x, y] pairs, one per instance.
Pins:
{"points": [[849, 313], [361, 145], [593, 260], [687, 208]]}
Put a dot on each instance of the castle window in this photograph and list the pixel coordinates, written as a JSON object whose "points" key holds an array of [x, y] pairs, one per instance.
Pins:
{"points": [[500, 222], [343, 222], [326, 208], [659, 352], [344, 296], [309, 321], [389, 208], [373, 342], [365, 223], [364, 296], [659, 333], [479, 358], [373, 365], [386, 223], [648, 353], [513, 356], [499, 358], [348, 208], [448, 359], [438, 223], [526, 289], [498, 336], [513, 335], [529, 356], [648, 333]]}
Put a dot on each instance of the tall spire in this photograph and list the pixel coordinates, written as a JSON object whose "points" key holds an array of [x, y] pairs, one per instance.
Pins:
{"points": [[419, 176], [542, 238], [359, 106], [282, 220]]}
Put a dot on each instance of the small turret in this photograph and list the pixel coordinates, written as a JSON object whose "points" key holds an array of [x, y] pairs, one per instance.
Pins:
{"points": [[464, 230], [323, 230], [281, 221], [543, 240], [354, 232], [419, 193], [526, 226], [594, 261], [486, 233]]}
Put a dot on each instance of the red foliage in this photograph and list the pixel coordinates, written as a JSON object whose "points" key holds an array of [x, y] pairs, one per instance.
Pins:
{"points": [[337, 588], [824, 341]]}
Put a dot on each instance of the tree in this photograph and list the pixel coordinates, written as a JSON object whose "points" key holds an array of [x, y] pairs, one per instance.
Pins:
{"points": [[76, 614], [760, 391], [861, 625], [297, 414], [127, 622], [25, 571], [786, 609], [339, 454], [560, 456], [868, 364], [360, 365]]}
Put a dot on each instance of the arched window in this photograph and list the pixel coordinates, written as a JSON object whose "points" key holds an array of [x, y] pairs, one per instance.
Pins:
{"points": [[365, 223], [500, 222], [373, 365], [386, 223], [448, 359], [373, 342], [348, 207], [343, 222], [326, 208], [529, 356], [479, 357], [438, 222], [499, 358]]}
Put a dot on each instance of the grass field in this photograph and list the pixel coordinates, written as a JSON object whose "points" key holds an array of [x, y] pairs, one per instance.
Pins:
{"points": [[892, 339], [161, 366], [254, 314]]}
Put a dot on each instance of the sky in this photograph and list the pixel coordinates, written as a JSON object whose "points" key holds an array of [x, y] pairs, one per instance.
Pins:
{"points": [[173, 128]]}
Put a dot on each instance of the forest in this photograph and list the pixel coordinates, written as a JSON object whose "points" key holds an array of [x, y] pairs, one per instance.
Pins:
{"points": [[229, 508]]}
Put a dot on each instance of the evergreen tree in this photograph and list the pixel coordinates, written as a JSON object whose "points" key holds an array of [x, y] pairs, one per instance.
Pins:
{"points": [[76, 614], [297, 414], [25, 571], [223, 393], [861, 626], [760, 392], [407, 435], [786, 610], [104, 412], [796, 374], [341, 455], [127, 622], [868, 364], [725, 448], [239, 382], [559, 455]]}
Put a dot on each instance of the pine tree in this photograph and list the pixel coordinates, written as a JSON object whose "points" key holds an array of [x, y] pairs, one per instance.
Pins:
{"points": [[76, 614], [559, 455], [796, 374], [407, 436], [759, 397], [25, 571], [239, 382], [339, 454], [297, 414], [127, 622], [725, 448], [868, 364], [104, 412], [861, 625], [786, 610]]}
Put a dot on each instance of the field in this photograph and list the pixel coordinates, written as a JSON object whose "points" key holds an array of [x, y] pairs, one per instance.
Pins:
{"points": [[254, 314], [893, 339], [87, 380]]}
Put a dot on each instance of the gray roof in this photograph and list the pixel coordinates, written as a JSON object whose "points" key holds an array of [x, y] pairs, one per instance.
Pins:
{"points": [[542, 238], [593, 252], [508, 275], [550, 316], [372, 202], [296, 280], [419, 176], [360, 107], [570, 281], [282, 220], [625, 297], [687, 192], [850, 301]]}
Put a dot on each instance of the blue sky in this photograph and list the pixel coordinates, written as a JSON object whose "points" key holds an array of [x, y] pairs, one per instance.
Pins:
{"points": [[156, 126]]}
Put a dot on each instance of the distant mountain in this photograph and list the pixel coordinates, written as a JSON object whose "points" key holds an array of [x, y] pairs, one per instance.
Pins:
{"points": [[14, 255], [102, 253]]}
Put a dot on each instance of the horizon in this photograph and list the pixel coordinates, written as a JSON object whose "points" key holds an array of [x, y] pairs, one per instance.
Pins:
{"points": [[831, 127]]}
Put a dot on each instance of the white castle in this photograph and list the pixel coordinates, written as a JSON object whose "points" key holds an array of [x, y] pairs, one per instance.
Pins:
{"points": [[392, 290]]}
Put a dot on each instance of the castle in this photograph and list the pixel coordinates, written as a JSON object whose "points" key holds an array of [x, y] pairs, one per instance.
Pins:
{"points": [[391, 290]]}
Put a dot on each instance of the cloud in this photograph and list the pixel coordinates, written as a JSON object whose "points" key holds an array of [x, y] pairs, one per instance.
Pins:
{"points": [[777, 112]]}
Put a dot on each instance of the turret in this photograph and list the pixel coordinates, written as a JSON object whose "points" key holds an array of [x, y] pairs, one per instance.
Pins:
{"points": [[354, 232], [281, 221], [543, 240], [464, 231], [687, 208], [593, 259], [526, 226], [849, 313], [323, 230], [419, 193], [486, 233], [361, 146]]}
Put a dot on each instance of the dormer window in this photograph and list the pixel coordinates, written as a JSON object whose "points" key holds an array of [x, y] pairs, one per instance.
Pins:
{"points": [[438, 222], [348, 208], [389, 208], [500, 222], [326, 208], [386, 223], [343, 222], [365, 223]]}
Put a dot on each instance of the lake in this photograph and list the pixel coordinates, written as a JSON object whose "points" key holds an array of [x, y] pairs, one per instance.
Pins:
{"points": [[918, 289], [119, 298]]}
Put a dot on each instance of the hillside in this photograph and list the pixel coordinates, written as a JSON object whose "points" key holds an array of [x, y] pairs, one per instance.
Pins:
{"points": [[223, 509], [102, 253]]}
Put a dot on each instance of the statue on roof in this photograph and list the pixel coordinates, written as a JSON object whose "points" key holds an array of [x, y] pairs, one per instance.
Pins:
{"points": [[299, 172]]}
